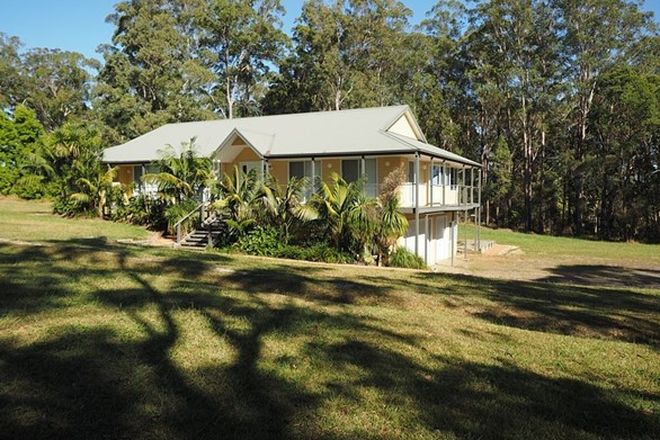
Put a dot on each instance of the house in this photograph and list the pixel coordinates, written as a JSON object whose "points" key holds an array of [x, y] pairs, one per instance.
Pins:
{"points": [[361, 143]]}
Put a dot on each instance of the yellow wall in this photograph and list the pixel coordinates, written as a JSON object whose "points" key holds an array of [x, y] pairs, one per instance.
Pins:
{"points": [[125, 174], [246, 155], [329, 166], [279, 169], [390, 163]]}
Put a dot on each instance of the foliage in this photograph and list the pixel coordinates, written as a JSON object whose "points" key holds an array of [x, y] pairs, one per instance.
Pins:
{"points": [[21, 153], [142, 210], [321, 252], [177, 211], [82, 182], [284, 205], [182, 174], [402, 257], [391, 222], [346, 213], [238, 195], [264, 241]]}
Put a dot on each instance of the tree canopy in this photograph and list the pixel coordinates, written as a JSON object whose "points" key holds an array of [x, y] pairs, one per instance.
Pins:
{"points": [[558, 99]]}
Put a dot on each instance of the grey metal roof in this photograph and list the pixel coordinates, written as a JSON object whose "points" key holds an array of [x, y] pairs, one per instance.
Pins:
{"points": [[344, 132]]}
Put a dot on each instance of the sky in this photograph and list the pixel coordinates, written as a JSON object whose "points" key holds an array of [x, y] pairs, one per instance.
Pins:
{"points": [[79, 25]]}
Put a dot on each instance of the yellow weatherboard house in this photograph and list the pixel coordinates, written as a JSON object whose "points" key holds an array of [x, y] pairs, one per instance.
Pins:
{"points": [[366, 144]]}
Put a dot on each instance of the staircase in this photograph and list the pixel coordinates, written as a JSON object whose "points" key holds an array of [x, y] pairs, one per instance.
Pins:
{"points": [[207, 233], [199, 238]]}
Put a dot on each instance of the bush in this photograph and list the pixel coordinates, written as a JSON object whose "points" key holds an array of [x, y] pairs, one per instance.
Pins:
{"points": [[31, 186], [402, 257], [318, 252], [174, 213], [141, 210], [264, 241]]}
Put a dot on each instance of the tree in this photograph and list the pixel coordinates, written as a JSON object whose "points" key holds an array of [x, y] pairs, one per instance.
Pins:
{"points": [[347, 214], [10, 71], [21, 150], [347, 54], [241, 40], [152, 73], [285, 206], [57, 85], [182, 174], [82, 181], [597, 34], [391, 223]]}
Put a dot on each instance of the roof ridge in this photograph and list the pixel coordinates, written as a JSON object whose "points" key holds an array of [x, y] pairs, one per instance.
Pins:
{"points": [[300, 114]]}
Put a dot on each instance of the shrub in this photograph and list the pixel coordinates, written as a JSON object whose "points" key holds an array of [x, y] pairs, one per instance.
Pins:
{"points": [[31, 186], [318, 252], [402, 257], [142, 210], [174, 213], [264, 241]]}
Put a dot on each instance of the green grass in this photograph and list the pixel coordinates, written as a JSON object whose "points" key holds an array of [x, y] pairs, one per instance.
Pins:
{"points": [[110, 341], [548, 245], [35, 221]]}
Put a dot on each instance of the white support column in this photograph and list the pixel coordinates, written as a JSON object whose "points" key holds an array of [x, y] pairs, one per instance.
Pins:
{"points": [[472, 186], [313, 175], [479, 212], [451, 237], [263, 169], [416, 185], [465, 222], [431, 181], [444, 182], [143, 185], [427, 239]]}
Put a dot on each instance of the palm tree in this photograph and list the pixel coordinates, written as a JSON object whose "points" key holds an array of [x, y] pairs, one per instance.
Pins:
{"points": [[182, 175], [93, 191], [284, 204], [347, 212], [391, 223], [238, 197]]}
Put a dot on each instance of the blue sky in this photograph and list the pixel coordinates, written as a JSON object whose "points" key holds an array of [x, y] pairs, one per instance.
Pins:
{"points": [[80, 24]]}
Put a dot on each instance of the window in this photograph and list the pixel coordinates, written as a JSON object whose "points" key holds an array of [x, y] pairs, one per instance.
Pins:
{"points": [[411, 172], [350, 170], [436, 175], [248, 167], [453, 178], [137, 173], [303, 168], [297, 169]]}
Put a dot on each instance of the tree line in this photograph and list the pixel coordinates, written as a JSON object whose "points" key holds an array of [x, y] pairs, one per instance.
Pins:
{"points": [[558, 99]]}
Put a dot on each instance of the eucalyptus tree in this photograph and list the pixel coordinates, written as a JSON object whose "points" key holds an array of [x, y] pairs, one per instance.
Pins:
{"points": [[10, 71], [347, 53], [597, 34], [58, 85], [152, 73], [241, 40]]}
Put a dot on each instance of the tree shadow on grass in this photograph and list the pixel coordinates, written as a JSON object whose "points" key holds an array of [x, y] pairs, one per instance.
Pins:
{"points": [[101, 380], [610, 313], [93, 382], [474, 400], [601, 275]]}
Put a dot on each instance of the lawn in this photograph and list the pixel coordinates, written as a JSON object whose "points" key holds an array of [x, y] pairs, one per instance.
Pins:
{"points": [[547, 245], [101, 340], [34, 221]]}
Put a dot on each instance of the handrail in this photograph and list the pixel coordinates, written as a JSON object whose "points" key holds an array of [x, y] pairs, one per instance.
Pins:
{"points": [[177, 225]]}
